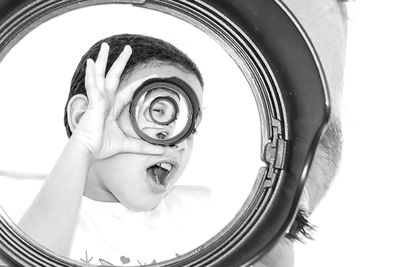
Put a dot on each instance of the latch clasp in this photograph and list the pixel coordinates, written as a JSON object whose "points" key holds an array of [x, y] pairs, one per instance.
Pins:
{"points": [[275, 151]]}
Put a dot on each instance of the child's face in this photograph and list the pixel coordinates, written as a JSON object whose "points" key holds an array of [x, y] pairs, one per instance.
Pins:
{"points": [[130, 178]]}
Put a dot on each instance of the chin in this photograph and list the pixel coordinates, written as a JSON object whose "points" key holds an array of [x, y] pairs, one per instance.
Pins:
{"points": [[144, 208], [141, 206], [144, 187], [149, 197]]}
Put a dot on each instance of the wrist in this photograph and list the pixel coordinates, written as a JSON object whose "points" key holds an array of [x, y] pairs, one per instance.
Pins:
{"points": [[79, 143]]}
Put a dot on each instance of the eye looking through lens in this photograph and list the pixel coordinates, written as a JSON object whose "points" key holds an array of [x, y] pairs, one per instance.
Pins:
{"points": [[164, 111]]}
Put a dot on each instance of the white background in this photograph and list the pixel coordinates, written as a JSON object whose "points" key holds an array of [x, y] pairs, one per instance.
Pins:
{"points": [[36, 75], [358, 222]]}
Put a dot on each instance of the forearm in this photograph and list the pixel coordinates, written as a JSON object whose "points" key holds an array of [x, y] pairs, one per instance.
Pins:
{"points": [[51, 218]]}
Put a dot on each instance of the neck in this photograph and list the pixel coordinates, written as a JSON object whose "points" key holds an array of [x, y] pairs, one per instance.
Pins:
{"points": [[96, 190]]}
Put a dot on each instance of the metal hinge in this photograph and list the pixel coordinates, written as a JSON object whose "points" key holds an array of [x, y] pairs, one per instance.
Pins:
{"points": [[275, 152]]}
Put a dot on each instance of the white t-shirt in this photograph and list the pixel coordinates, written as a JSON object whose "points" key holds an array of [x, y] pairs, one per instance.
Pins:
{"points": [[110, 234]]}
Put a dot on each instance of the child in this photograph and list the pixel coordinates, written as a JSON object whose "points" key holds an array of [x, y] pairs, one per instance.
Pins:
{"points": [[106, 161]]}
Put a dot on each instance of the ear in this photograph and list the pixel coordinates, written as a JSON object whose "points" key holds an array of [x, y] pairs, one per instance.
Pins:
{"points": [[77, 106]]}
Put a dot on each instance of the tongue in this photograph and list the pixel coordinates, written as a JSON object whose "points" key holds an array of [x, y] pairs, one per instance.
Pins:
{"points": [[160, 173]]}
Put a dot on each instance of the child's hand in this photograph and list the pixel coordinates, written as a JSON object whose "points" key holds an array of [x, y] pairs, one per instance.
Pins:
{"points": [[98, 128]]}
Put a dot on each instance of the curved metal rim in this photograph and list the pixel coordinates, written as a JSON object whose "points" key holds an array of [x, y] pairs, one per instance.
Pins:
{"points": [[262, 81]]}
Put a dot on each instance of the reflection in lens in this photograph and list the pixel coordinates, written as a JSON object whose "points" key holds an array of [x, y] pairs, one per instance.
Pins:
{"points": [[163, 110]]}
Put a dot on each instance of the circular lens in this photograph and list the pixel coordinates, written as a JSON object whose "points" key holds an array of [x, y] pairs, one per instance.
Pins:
{"points": [[164, 110]]}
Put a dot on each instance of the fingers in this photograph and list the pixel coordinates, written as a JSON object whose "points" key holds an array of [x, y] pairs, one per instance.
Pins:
{"points": [[114, 74], [137, 146], [95, 80], [101, 64], [90, 82]]}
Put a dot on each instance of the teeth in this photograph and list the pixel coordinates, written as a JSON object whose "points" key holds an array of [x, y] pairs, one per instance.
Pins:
{"points": [[165, 165]]}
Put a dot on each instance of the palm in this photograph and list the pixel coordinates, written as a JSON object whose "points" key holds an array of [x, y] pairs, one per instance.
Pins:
{"points": [[112, 140]]}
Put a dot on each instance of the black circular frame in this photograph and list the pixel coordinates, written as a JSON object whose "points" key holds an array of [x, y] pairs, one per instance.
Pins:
{"points": [[173, 84], [288, 84], [171, 102]]}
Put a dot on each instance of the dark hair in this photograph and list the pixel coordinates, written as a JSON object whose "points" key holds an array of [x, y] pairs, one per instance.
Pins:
{"points": [[145, 49]]}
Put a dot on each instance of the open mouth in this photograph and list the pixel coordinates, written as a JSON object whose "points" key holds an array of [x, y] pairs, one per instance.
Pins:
{"points": [[160, 174]]}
